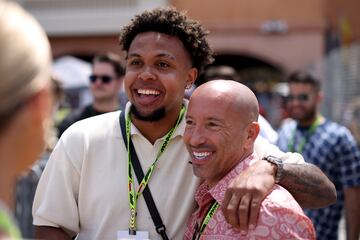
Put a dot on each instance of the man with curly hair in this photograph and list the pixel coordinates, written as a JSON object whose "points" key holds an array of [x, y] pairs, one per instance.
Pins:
{"points": [[88, 187]]}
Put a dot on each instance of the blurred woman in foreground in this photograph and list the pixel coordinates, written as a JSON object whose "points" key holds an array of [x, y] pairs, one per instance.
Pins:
{"points": [[25, 100]]}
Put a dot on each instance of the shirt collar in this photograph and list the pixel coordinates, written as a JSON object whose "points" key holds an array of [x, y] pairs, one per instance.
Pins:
{"points": [[217, 192]]}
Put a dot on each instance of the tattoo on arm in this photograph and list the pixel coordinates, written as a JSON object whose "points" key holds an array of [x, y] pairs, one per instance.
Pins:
{"points": [[309, 185]]}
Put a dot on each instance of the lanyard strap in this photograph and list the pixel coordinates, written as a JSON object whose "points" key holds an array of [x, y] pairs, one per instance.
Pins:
{"points": [[133, 197], [208, 216], [313, 127], [155, 215]]}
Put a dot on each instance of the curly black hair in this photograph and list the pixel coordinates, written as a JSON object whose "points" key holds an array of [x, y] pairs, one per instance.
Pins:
{"points": [[169, 21]]}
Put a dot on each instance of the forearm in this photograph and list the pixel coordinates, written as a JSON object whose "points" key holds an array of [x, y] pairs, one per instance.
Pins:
{"points": [[309, 185], [352, 213], [44, 232]]}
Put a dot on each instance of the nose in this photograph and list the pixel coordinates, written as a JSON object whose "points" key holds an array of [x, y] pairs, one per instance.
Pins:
{"points": [[294, 103], [96, 83], [194, 136], [146, 74]]}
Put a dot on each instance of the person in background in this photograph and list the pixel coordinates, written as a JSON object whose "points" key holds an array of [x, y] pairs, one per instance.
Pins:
{"points": [[106, 81], [25, 101], [27, 182], [220, 140], [328, 145], [91, 167], [229, 73]]}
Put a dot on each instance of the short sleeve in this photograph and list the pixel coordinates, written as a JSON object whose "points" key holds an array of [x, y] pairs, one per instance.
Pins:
{"points": [[264, 148], [55, 202]]}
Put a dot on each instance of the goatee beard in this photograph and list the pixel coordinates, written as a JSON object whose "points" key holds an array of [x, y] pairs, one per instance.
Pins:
{"points": [[156, 115], [307, 119]]}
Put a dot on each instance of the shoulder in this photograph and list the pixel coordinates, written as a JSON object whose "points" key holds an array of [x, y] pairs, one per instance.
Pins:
{"points": [[266, 130], [100, 126], [282, 215], [336, 133], [263, 148], [335, 128], [73, 117], [280, 198], [87, 140]]}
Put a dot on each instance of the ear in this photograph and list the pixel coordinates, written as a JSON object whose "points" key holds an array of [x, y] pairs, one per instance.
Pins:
{"points": [[252, 133], [320, 97], [191, 77], [40, 105]]}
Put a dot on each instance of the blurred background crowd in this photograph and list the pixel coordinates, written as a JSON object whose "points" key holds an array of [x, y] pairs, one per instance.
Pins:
{"points": [[258, 43], [263, 42]]}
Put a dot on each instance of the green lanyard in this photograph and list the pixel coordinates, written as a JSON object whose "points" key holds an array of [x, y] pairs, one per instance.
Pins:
{"points": [[132, 196], [313, 127], [205, 221]]}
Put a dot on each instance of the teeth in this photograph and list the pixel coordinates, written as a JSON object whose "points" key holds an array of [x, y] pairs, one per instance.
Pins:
{"points": [[148, 91], [201, 155]]}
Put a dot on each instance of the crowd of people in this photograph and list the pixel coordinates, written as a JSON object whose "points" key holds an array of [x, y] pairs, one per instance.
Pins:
{"points": [[155, 156]]}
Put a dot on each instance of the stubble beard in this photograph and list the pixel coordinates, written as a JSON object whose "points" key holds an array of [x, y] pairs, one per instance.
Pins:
{"points": [[155, 116], [307, 117]]}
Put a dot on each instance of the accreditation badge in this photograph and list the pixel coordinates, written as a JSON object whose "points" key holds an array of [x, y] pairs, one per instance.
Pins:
{"points": [[140, 235]]}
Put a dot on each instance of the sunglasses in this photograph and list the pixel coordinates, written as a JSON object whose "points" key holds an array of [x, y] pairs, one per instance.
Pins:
{"points": [[105, 79], [300, 97]]}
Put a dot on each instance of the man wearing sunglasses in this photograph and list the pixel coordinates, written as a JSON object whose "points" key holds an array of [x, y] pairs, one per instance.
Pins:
{"points": [[328, 145], [105, 84]]}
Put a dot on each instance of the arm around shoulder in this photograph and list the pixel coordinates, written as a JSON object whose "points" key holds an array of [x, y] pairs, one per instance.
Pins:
{"points": [[308, 184]]}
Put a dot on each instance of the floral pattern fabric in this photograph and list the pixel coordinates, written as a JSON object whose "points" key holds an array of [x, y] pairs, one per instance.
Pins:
{"points": [[280, 215]]}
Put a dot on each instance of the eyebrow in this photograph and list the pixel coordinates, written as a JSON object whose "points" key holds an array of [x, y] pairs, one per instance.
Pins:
{"points": [[220, 120], [165, 55], [131, 55], [207, 119]]}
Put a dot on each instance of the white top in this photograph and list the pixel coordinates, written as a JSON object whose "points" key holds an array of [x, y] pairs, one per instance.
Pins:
{"points": [[266, 130], [84, 185]]}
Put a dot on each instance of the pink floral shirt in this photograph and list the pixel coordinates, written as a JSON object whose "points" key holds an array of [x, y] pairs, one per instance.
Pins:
{"points": [[280, 217]]}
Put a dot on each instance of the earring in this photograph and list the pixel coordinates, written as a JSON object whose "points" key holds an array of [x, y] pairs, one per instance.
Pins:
{"points": [[188, 86]]}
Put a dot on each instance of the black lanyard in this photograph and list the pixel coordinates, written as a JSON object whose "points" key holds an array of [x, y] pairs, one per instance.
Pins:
{"points": [[133, 196]]}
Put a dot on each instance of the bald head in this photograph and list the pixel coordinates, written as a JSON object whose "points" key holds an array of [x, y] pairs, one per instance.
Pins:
{"points": [[238, 97], [221, 128]]}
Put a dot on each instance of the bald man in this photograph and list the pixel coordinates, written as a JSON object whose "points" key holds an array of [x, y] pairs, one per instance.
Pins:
{"points": [[221, 128]]}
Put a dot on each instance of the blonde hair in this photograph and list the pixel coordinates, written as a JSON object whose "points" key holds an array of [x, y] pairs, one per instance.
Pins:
{"points": [[25, 57]]}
